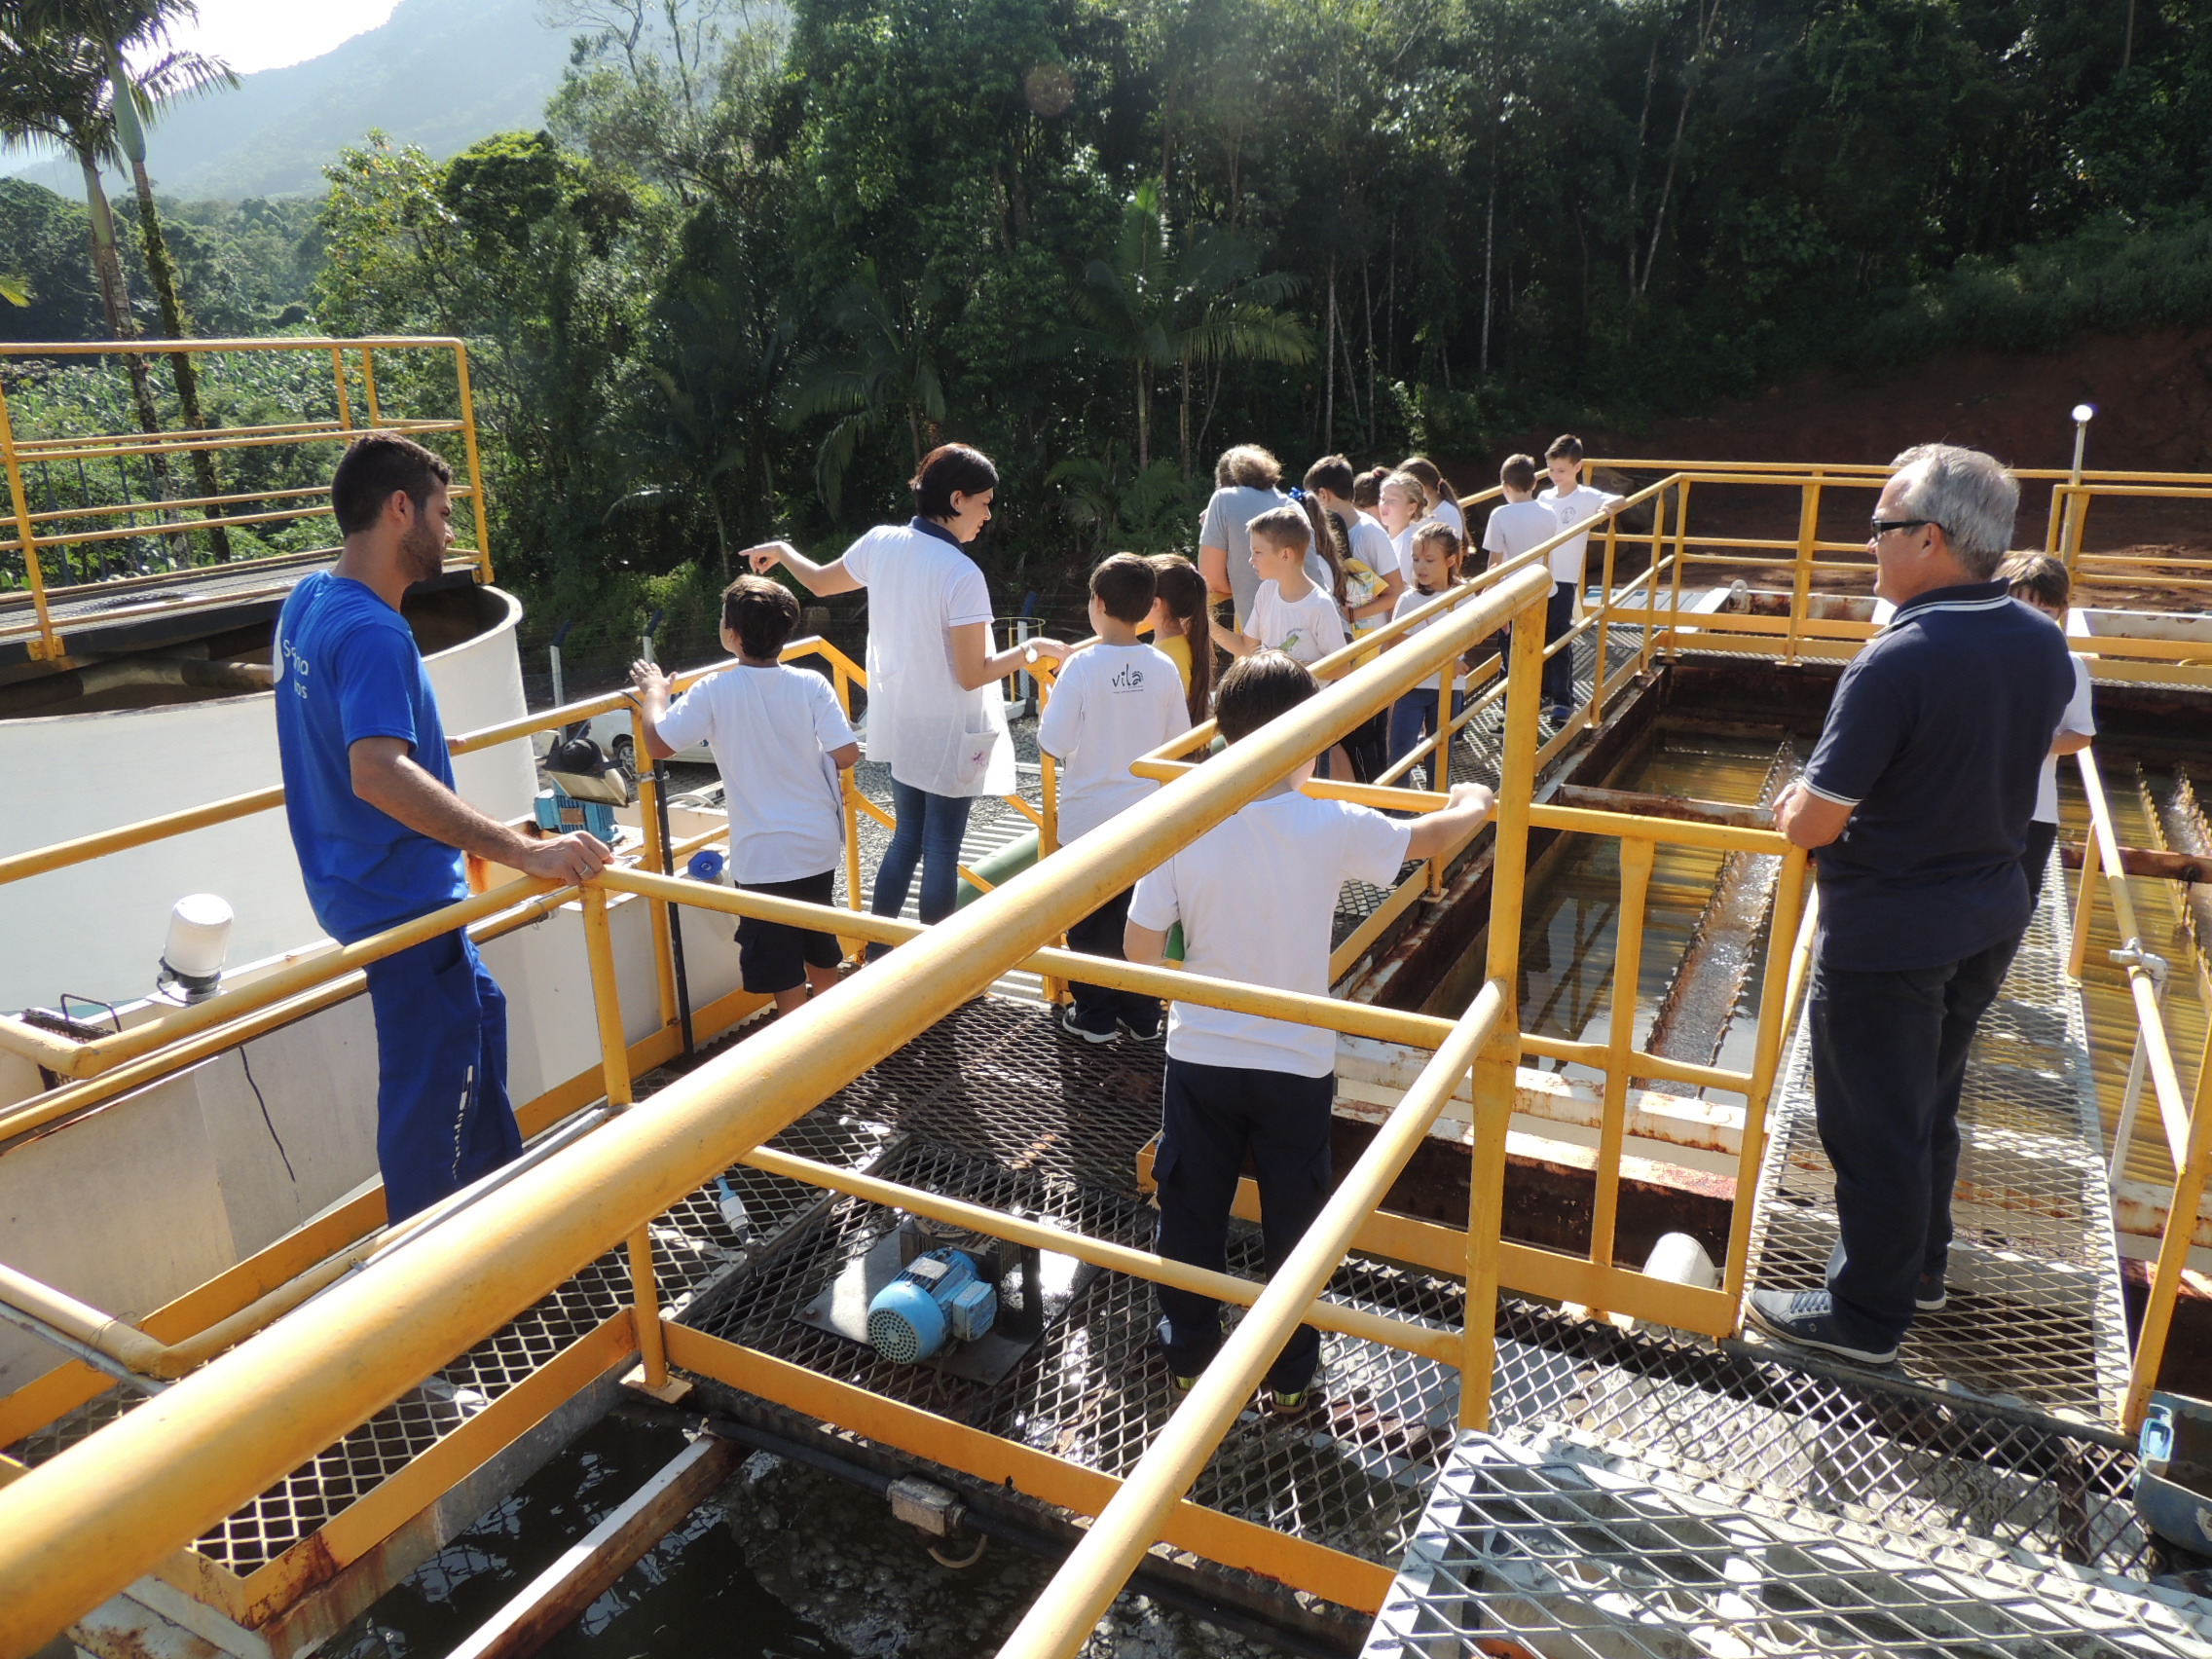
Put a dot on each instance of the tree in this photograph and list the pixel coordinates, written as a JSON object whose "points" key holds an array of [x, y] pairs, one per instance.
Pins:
{"points": [[884, 369], [1160, 299], [97, 35]]}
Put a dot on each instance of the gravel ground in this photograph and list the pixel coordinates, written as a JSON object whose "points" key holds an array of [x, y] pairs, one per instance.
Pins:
{"points": [[830, 1552]]}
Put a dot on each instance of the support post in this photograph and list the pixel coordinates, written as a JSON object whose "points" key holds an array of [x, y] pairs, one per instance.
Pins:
{"points": [[479, 509], [1604, 619], [2173, 1250], [1638, 854], [1801, 584], [1493, 1083], [1682, 555], [46, 647]]}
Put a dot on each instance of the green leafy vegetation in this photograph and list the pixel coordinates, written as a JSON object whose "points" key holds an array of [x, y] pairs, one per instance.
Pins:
{"points": [[759, 257]]}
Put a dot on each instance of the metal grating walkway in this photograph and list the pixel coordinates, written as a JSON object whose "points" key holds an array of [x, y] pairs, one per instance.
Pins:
{"points": [[2034, 1313], [1524, 1551]]}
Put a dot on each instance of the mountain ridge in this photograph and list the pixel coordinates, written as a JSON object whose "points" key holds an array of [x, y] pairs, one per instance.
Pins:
{"points": [[420, 77]]}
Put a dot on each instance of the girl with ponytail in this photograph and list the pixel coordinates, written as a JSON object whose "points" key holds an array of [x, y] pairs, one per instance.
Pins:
{"points": [[1179, 618]]}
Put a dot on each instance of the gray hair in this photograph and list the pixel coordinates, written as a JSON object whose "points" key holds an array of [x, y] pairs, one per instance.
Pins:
{"points": [[1969, 495]]}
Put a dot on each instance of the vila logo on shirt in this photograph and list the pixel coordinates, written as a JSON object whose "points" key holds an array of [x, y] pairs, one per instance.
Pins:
{"points": [[1127, 678]]}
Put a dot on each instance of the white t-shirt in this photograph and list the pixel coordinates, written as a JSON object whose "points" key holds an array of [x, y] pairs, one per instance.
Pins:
{"points": [[1413, 599], [2076, 719], [1305, 630], [1227, 512], [1517, 527], [1257, 897], [1569, 559], [1110, 705], [1448, 509], [771, 731], [1372, 546], [932, 732]]}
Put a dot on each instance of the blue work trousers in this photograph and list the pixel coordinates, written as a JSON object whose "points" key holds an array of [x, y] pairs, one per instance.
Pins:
{"points": [[442, 1114], [1558, 668], [1889, 1058], [927, 832], [1211, 1117]]}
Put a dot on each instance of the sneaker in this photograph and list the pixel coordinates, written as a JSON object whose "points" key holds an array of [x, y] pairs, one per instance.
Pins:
{"points": [[1181, 1386], [1074, 1029], [1145, 1033], [1807, 1320], [1559, 714], [1931, 1295]]}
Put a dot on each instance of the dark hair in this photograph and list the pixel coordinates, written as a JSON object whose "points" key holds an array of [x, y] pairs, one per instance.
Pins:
{"points": [[1367, 488], [947, 470], [1436, 529], [1438, 486], [1246, 467], [2038, 577], [1567, 446], [1189, 601], [1333, 474], [1332, 538], [761, 613], [1257, 688], [376, 466], [1519, 473], [1124, 584]]}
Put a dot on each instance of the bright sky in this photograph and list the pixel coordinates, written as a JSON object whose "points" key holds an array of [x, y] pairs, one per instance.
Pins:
{"points": [[268, 34]]}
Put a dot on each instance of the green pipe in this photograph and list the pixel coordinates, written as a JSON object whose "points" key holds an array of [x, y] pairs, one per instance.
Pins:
{"points": [[1001, 867]]}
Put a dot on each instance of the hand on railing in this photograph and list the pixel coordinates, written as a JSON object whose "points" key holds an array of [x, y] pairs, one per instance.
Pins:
{"points": [[576, 857]]}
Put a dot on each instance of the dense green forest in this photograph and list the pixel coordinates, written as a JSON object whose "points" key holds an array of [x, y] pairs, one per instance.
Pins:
{"points": [[758, 257]]}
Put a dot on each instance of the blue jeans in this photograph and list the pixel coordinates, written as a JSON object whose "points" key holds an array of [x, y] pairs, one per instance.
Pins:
{"points": [[1413, 716], [927, 832]]}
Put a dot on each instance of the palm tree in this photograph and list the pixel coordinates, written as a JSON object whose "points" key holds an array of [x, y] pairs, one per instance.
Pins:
{"points": [[107, 29], [50, 93], [884, 367], [1156, 301]]}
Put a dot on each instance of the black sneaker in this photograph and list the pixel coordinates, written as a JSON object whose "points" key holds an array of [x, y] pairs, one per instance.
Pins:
{"points": [[1290, 1402], [1074, 1029], [1806, 1319], [1931, 1294], [1145, 1033]]}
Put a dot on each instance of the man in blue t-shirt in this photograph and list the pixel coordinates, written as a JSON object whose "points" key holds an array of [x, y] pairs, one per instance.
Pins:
{"points": [[1917, 801], [368, 787]]}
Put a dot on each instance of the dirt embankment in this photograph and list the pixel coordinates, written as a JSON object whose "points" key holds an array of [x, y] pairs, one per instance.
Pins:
{"points": [[2153, 393]]}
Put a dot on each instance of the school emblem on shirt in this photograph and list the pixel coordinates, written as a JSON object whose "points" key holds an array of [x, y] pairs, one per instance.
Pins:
{"points": [[1127, 678]]}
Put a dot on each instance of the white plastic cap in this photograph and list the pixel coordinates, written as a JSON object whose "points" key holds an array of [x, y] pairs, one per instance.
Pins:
{"points": [[200, 937], [2082, 412]]}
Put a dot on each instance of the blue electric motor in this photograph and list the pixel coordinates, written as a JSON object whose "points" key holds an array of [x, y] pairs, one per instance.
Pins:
{"points": [[938, 1298]]}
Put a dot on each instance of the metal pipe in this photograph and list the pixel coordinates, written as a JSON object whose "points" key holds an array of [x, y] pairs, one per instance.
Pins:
{"points": [[144, 1487], [1637, 855], [1064, 1615]]}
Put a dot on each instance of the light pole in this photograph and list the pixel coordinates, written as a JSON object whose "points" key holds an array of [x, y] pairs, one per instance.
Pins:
{"points": [[553, 651], [2071, 547]]}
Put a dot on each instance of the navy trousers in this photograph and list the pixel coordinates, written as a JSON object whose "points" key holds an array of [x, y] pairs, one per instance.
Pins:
{"points": [[2035, 858], [1096, 1007], [442, 1114], [1558, 668], [1889, 1057], [1211, 1117]]}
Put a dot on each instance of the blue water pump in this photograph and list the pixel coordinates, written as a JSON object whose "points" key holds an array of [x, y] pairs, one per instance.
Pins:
{"points": [[938, 1298]]}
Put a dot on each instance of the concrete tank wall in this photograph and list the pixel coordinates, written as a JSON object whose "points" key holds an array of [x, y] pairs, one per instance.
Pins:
{"points": [[95, 930]]}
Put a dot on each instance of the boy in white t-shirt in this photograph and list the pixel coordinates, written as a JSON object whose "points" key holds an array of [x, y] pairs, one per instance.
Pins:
{"points": [[780, 741], [1256, 897], [1114, 702], [1571, 502], [1290, 612], [1519, 524], [2038, 580]]}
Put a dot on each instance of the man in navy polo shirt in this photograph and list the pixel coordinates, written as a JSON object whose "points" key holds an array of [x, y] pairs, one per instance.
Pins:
{"points": [[368, 789], [1917, 801]]}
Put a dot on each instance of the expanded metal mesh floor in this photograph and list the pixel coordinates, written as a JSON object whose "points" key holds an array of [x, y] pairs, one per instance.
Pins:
{"points": [[1525, 1551], [2035, 1311]]}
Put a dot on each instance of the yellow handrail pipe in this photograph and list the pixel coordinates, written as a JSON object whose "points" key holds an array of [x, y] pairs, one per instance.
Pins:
{"points": [[80, 1527], [1067, 1611]]}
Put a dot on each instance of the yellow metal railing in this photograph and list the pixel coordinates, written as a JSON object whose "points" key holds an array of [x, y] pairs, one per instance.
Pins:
{"points": [[44, 539], [152, 1481], [2186, 1120], [149, 1483]]}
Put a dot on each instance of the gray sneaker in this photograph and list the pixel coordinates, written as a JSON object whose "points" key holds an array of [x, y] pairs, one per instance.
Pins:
{"points": [[1931, 1295], [1807, 1320]]}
